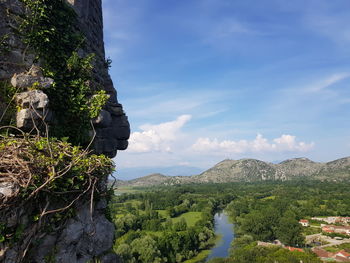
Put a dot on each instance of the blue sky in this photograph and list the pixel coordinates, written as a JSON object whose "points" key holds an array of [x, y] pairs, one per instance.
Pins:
{"points": [[205, 80]]}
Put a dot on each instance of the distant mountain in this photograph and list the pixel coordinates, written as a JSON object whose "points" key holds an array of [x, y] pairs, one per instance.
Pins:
{"points": [[155, 179], [251, 170], [136, 172]]}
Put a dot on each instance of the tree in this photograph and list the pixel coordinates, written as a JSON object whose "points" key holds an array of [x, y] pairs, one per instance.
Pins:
{"points": [[289, 231], [260, 224], [181, 225], [124, 251], [145, 250]]}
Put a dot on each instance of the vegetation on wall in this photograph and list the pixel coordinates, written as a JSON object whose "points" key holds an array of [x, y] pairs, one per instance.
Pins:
{"points": [[47, 177], [7, 103], [49, 31], [52, 174]]}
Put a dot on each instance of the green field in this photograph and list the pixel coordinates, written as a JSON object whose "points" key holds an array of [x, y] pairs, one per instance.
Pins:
{"points": [[163, 213], [126, 190], [190, 217], [311, 230], [271, 197]]}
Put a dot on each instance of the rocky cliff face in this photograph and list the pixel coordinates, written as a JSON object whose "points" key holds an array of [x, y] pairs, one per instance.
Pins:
{"points": [[87, 235], [111, 126]]}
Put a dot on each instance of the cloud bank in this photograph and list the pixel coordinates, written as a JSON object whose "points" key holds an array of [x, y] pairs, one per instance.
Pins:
{"points": [[162, 137], [285, 143]]}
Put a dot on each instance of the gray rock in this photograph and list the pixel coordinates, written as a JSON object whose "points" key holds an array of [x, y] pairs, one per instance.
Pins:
{"points": [[36, 99], [116, 110], [106, 145], [25, 81], [99, 236], [121, 128], [101, 204], [122, 145], [3, 250], [47, 247], [26, 119], [110, 258], [73, 232], [7, 189], [103, 120], [34, 110], [33, 77], [11, 256]]}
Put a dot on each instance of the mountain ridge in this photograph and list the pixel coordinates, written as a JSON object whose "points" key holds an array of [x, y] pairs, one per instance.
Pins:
{"points": [[253, 170]]}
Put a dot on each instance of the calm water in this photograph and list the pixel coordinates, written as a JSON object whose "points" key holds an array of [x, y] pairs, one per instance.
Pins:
{"points": [[225, 229]]}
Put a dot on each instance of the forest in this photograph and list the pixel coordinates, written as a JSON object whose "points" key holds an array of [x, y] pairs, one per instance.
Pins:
{"points": [[175, 223]]}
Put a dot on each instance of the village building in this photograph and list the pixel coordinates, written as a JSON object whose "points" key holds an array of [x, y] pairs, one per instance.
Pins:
{"points": [[304, 222], [340, 256], [323, 254], [333, 219], [344, 230]]}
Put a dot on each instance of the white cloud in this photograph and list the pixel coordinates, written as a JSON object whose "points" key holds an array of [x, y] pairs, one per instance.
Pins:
{"points": [[157, 138], [327, 82], [285, 143]]}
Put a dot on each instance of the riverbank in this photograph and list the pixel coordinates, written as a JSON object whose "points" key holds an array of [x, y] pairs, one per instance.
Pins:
{"points": [[202, 255], [221, 244], [224, 228]]}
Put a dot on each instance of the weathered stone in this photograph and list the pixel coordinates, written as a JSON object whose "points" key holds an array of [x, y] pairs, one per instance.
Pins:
{"points": [[15, 7], [7, 189], [3, 250], [47, 247], [73, 232], [26, 119], [11, 255], [116, 110], [110, 258], [121, 128], [36, 99], [34, 110], [86, 236], [106, 146], [11, 220], [103, 120], [23, 80], [101, 204], [122, 145]]}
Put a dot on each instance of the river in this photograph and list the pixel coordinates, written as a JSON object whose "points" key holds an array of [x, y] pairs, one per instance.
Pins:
{"points": [[224, 229]]}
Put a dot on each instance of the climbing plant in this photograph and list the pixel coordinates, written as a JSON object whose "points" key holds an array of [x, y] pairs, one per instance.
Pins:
{"points": [[49, 30], [51, 177], [54, 175]]}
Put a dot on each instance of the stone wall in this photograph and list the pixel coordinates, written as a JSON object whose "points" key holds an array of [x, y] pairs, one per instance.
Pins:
{"points": [[85, 236], [112, 126]]}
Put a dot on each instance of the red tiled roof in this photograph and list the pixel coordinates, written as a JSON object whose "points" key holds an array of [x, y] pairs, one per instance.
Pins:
{"points": [[343, 252], [322, 253], [294, 249], [341, 259]]}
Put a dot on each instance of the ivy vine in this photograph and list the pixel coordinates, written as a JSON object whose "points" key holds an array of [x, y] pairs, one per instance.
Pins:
{"points": [[49, 29]]}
